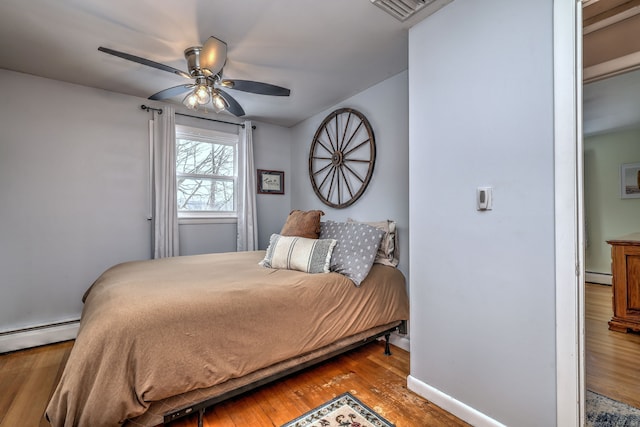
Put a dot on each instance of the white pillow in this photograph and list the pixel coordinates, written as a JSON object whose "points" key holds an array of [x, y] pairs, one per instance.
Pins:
{"points": [[299, 253]]}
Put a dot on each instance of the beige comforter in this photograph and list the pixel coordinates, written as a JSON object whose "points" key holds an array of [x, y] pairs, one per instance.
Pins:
{"points": [[154, 329]]}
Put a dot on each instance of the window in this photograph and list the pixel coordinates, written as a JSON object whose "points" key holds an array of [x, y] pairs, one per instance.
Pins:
{"points": [[206, 173]]}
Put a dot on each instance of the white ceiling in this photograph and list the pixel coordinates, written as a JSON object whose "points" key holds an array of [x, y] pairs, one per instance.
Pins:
{"points": [[612, 104], [323, 50]]}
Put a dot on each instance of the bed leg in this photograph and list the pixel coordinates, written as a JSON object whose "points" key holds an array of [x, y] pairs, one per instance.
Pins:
{"points": [[200, 417], [387, 349], [402, 328]]}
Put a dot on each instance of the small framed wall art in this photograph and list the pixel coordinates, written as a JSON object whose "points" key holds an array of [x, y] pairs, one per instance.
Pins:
{"points": [[630, 181], [270, 182]]}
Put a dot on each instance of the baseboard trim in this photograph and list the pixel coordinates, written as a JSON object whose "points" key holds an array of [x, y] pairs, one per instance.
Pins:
{"points": [[400, 341], [451, 405], [602, 278], [37, 336]]}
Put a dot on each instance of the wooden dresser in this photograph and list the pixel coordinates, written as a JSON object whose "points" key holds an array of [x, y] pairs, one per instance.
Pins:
{"points": [[625, 266]]}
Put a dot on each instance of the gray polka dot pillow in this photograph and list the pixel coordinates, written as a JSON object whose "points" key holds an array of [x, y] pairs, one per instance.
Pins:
{"points": [[355, 250]]}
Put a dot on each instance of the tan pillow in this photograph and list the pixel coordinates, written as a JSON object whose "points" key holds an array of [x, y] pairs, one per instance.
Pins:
{"points": [[302, 224]]}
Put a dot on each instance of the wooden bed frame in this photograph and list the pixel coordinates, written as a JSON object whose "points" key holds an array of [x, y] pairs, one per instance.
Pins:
{"points": [[198, 401]]}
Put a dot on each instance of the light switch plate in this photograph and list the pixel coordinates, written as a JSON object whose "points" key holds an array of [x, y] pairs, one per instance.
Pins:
{"points": [[484, 198]]}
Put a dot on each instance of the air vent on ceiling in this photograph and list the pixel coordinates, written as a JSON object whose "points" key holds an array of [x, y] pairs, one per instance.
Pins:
{"points": [[401, 9]]}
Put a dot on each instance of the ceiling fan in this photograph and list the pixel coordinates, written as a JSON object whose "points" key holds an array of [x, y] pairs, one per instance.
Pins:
{"points": [[205, 64]]}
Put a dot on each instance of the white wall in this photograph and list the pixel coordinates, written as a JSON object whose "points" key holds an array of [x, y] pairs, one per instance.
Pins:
{"points": [[74, 194], [482, 283], [387, 197]]}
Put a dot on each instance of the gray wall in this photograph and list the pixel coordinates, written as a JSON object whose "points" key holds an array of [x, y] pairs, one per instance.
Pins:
{"points": [[482, 283], [276, 155], [74, 194], [387, 196], [73, 185], [607, 215]]}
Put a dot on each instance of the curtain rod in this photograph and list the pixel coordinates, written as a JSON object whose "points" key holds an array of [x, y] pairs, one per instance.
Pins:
{"points": [[159, 110]]}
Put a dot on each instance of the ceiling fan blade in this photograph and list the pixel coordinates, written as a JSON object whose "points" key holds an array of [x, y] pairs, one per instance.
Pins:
{"points": [[234, 107], [144, 61], [171, 92], [256, 87], [213, 55]]}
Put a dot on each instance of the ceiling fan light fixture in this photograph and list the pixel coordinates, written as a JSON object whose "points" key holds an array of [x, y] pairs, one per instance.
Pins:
{"points": [[202, 94], [190, 101], [218, 102], [213, 56]]}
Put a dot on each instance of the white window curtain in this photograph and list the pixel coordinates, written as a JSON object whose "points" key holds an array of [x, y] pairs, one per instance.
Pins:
{"points": [[165, 207], [247, 216]]}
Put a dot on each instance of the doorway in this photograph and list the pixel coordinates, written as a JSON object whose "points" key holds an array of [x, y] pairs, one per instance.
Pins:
{"points": [[611, 127]]}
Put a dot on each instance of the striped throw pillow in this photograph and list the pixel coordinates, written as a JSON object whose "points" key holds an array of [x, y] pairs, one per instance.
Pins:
{"points": [[299, 253]]}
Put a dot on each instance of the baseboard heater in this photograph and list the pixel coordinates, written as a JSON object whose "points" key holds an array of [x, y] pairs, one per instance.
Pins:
{"points": [[35, 336], [601, 278]]}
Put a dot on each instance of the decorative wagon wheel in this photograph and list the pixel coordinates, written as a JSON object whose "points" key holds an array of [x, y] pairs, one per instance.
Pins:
{"points": [[342, 157]]}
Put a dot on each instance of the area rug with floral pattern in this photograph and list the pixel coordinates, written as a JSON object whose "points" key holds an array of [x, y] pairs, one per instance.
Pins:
{"points": [[343, 411], [604, 412]]}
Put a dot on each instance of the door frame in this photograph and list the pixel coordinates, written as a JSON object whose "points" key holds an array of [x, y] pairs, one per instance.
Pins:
{"points": [[569, 219]]}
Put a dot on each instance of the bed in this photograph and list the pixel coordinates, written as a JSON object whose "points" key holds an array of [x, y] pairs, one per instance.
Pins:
{"points": [[160, 339]]}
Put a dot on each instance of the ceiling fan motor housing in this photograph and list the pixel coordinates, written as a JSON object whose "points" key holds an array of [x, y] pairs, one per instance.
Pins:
{"points": [[192, 55], [206, 60]]}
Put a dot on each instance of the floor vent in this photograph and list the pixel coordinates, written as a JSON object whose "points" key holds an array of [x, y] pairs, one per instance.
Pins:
{"points": [[401, 9]]}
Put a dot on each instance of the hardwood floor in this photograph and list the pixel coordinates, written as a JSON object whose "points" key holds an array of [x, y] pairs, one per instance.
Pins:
{"points": [[612, 358], [27, 380], [28, 377]]}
